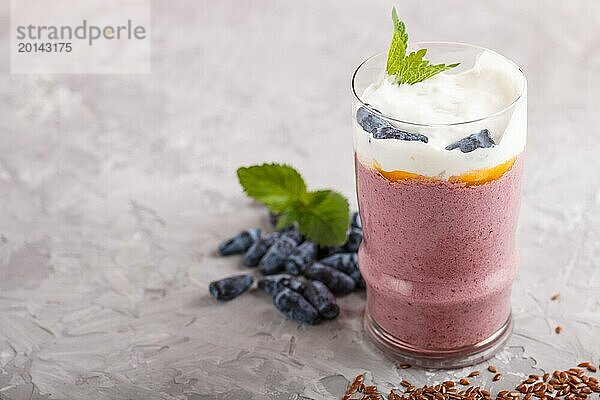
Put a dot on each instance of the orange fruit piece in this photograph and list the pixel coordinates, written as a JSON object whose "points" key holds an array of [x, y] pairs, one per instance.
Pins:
{"points": [[472, 178], [398, 175], [484, 175]]}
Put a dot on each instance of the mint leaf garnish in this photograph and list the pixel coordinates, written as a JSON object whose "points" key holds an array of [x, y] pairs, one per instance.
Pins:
{"points": [[398, 46], [289, 216], [322, 216], [273, 185], [412, 68]]}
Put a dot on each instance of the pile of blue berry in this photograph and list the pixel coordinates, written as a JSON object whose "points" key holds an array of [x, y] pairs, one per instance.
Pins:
{"points": [[301, 277]]}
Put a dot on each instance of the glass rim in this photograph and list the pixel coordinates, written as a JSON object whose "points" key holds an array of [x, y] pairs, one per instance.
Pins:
{"points": [[424, 124]]}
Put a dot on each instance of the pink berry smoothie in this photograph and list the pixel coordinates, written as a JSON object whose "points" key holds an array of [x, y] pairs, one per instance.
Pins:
{"points": [[438, 258]]}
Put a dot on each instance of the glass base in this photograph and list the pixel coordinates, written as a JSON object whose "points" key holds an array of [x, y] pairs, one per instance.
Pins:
{"points": [[439, 359]]}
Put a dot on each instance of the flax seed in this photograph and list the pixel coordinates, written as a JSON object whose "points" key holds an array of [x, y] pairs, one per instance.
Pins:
{"points": [[546, 376], [538, 386], [370, 389], [576, 371], [492, 369], [473, 374], [564, 377], [558, 329], [575, 379], [393, 395], [354, 386], [497, 377]]}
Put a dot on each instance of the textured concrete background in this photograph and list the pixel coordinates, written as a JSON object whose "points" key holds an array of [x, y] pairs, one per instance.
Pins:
{"points": [[115, 190]]}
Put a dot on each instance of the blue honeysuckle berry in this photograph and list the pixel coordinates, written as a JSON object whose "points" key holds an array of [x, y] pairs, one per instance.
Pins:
{"points": [[479, 140], [345, 262], [370, 121], [231, 287], [292, 232], [272, 261], [322, 299], [291, 282], [355, 220], [337, 281], [355, 237], [301, 257], [259, 248], [239, 243], [388, 132], [269, 284], [360, 282], [294, 306]]}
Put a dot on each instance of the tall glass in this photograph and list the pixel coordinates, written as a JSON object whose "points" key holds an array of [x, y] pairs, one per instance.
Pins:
{"points": [[439, 254]]}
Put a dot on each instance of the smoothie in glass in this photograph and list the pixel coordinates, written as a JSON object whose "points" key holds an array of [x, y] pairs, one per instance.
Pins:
{"points": [[438, 173]]}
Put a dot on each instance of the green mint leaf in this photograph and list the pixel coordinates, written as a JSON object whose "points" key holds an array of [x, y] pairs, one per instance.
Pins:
{"points": [[412, 68], [398, 46], [323, 217], [289, 216], [274, 185]]}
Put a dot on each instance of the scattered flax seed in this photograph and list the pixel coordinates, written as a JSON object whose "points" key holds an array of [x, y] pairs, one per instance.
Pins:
{"points": [[393, 395], [492, 369], [589, 366], [546, 376], [371, 390], [571, 384], [473, 374], [404, 366], [555, 296], [558, 329], [353, 388]]}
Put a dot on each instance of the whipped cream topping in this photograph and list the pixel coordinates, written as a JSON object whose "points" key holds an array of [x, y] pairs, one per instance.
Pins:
{"points": [[477, 94]]}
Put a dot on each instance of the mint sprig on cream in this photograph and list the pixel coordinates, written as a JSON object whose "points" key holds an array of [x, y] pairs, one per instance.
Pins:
{"points": [[410, 68], [322, 216]]}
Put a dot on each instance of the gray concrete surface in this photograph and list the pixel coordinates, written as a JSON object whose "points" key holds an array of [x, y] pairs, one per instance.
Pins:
{"points": [[115, 190]]}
